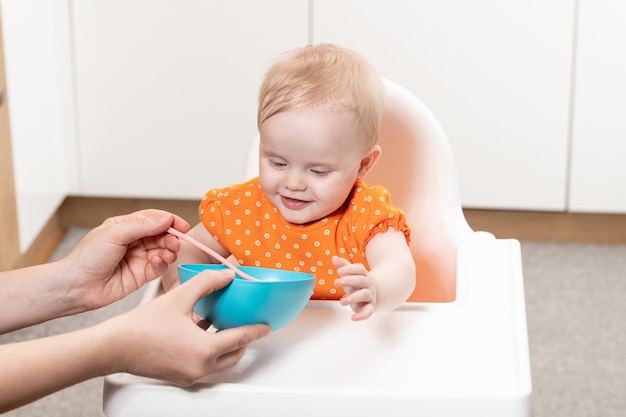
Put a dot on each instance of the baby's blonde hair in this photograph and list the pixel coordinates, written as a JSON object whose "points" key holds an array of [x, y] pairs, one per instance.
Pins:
{"points": [[324, 74]]}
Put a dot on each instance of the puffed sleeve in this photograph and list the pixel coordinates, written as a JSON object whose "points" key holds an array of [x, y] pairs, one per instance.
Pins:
{"points": [[211, 214], [373, 212]]}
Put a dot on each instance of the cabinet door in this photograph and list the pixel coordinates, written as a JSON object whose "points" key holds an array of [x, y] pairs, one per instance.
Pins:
{"points": [[37, 62], [167, 90], [598, 172], [496, 75]]}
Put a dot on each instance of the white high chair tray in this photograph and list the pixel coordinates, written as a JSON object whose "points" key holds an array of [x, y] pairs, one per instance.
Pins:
{"points": [[469, 357]]}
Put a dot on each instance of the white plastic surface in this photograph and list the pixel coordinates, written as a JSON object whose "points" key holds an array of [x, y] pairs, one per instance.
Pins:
{"points": [[468, 357]]}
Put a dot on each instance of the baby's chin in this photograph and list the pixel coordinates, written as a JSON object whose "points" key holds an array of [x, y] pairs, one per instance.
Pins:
{"points": [[298, 217], [298, 220]]}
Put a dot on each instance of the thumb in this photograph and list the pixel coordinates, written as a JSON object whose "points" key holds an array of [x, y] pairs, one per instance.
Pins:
{"points": [[203, 284]]}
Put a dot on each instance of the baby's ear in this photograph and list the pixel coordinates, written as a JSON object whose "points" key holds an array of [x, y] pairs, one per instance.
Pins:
{"points": [[369, 160]]}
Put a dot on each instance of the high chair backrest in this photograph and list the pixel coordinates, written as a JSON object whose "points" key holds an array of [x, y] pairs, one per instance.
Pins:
{"points": [[417, 167]]}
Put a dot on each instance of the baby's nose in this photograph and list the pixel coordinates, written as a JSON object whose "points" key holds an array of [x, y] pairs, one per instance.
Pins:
{"points": [[294, 181]]}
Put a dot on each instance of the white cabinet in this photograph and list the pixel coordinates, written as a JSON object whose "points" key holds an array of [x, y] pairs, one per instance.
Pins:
{"points": [[496, 74], [39, 89], [167, 90], [598, 171]]}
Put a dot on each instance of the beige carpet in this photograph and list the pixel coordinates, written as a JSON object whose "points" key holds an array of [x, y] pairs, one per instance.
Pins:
{"points": [[576, 306]]}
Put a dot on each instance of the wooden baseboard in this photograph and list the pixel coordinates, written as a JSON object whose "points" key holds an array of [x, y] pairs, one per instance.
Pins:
{"points": [[44, 245], [92, 211], [550, 226]]}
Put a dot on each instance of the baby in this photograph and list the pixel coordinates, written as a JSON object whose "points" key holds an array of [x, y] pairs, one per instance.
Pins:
{"points": [[309, 210]]}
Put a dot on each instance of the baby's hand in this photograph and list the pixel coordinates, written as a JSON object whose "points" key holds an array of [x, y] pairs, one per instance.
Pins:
{"points": [[358, 286]]}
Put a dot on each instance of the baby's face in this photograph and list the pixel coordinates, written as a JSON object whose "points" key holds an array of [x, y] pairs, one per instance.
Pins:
{"points": [[309, 161]]}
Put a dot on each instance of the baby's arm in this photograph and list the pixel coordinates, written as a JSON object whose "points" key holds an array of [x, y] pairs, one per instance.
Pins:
{"points": [[189, 254], [389, 282]]}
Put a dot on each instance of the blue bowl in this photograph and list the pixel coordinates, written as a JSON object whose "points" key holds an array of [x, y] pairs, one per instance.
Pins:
{"points": [[276, 299]]}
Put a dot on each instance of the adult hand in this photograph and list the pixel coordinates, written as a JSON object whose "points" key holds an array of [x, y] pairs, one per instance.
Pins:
{"points": [[119, 256], [159, 339]]}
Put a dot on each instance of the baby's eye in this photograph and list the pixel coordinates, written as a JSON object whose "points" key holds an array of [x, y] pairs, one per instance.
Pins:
{"points": [[320, 172], [277, 164]]}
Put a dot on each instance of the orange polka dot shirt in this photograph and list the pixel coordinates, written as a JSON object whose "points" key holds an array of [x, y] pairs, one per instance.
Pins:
{"points": [[248, 225]]}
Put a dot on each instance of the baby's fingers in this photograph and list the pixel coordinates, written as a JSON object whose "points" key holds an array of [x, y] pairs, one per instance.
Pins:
{"points": [[339, 262], [353, 282], [363, 312], [344, 267], [361, 304], [362, 296]]}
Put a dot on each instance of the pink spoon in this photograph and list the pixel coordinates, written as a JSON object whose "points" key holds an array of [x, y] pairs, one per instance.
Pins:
{"points": [[211, 252]]}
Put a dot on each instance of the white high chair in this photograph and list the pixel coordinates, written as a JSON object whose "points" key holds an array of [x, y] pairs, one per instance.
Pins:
{"points": [[458, 347]]}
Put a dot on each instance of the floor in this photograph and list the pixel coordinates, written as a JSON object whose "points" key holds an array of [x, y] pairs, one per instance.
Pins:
{"points": [[575, 307]]}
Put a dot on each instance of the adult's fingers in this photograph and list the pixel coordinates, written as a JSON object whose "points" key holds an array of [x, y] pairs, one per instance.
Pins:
{"points": [[232, 341], [202, 284], [151, 222]]}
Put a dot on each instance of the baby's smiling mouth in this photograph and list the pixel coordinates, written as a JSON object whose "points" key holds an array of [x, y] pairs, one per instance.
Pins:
{"points": [[293, 203]]}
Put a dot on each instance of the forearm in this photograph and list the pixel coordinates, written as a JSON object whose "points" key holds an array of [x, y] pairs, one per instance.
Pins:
{"points": [[392, 269], [394, 280], [33, 295], [33, 369]]}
